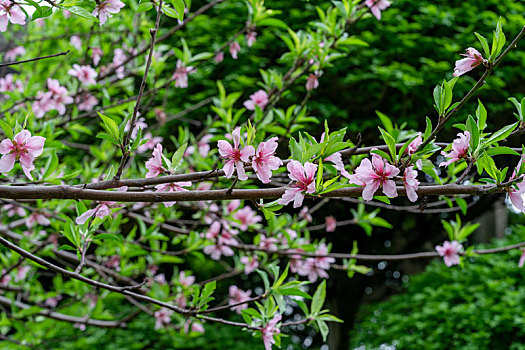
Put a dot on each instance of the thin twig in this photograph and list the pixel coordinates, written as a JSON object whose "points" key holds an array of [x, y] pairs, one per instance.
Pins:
{"points": [[33, 59]]}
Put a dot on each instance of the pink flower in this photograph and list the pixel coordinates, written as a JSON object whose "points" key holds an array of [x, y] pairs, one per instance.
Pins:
{"points": [[150, 143], [472, 59], [238, 296], [186, 281], [450, 252], [337, 159], [376, 6], [305, 177], [154, 164], [59, 95], [414, 145], [223, 238], [101, 210], [13, 209], [38, 218], [43, 104], [195, 327], [160, 115], [86, 102], [8, 85], [181, 75], [411, 183], [114, 262], [259, 98], [140, 124], [459, 149], [105, 9], [85, 74], [96, 55], [172, 187], [234, 156], [119, 57], [76, 42], [203, 146], [375, 174], [251, 38], [265, 160], [160, 278], [21, 273], [268, 243], [317, 267], [13, 53], [79, 326], [219, 57], [234, 49], [269, 331], [66, 14], [250, 263], [10, 12], [312, 82], [331, 223], [233, 205], [24, 148], [6, 279], [247, 218], [162, 317], [304, 214], [52, 302], [40, 22], [516, 195], [522, 258]]}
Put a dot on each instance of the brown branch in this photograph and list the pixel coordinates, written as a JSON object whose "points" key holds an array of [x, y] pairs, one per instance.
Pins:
{"points": [[77, 193], [63, 317], [33, 59], [373, 257]]}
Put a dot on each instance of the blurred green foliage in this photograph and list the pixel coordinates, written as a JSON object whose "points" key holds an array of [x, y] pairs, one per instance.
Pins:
{"points": [[480, 305]]}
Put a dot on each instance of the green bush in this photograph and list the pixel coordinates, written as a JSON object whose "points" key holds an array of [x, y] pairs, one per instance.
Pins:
{"points": [[480, 305]]}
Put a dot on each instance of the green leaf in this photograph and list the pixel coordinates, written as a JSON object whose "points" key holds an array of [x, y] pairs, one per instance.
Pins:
{"points": [[44, 11], [484, 44], [318, 299], [390, 142], [295, 150], [428, 129], [481, 115], [179, 7], [177, 156], [144, 6], [272, 22], [82, 12], [8, 131], [110, 126], [447, 95], [170, 12], [502, 133], [264, 277], [472, 127], [51, 164], [385, 120], [109, 236], [494, 151], [323, 328]]}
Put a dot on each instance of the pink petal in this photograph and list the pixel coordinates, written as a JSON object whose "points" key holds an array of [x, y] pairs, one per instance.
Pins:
{"points": [[7, 162], [228, 168], [389, 188], [85, 216], [6, 146]]}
